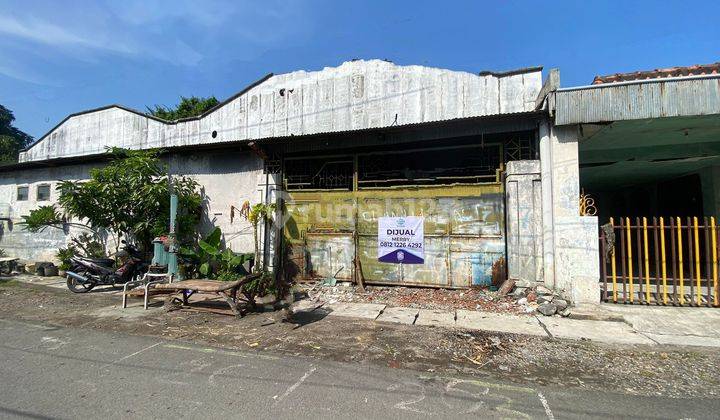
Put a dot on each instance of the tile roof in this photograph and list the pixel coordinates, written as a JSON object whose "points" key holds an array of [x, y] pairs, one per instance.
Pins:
{"points": [[696, 70]]}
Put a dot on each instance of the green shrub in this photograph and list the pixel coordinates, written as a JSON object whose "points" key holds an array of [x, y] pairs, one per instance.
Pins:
{"points": [[210, 261]]}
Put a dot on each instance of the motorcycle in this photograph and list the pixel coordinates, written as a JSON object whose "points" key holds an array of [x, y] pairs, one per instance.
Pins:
{"points": [[87, 273]]}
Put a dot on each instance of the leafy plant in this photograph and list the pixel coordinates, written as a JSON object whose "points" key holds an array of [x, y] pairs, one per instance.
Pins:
{"points": [[130, 197], [64, 255], [188, 107], [255, 215], [84, 244], [211, 261], [258, 287], [90, 247], [3, 253], [41, 218]]}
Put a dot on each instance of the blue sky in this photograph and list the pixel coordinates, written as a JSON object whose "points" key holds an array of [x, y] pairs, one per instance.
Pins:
{"points": [[60, 57]]}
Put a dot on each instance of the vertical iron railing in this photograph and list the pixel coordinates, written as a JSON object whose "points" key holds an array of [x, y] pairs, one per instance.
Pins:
{"points": [[660, 261]]}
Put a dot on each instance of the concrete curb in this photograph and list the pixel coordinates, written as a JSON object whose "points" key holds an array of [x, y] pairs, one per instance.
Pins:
{"points": [[609, 328]]}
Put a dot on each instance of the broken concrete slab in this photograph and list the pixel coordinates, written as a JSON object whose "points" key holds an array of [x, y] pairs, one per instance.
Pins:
{"points": [[435, 318], [399, 315], [356, 310], [486, 321], [600, 331]]}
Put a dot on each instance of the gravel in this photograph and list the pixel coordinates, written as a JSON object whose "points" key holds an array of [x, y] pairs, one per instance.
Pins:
{"points": [[480, 299]]}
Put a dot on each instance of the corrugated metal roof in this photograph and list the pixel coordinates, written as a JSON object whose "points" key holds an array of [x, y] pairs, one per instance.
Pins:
{"points": [[632, 100], [696, 70], [514, 121]]}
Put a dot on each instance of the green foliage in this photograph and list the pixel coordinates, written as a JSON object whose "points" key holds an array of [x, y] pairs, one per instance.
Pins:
{"points": [[188, 107], [64, 255], [131, 197], [84, 244], [12, 140], [259, 287], [209, 260], [89, 246], [41, 218], [258, 213], [3, 253]]}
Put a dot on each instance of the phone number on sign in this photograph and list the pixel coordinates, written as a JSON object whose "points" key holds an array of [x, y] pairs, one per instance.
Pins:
{"points": [[410, 245]]}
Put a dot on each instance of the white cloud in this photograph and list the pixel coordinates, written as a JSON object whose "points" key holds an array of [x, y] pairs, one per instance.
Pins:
{"points": [[43, 32], [179, 32], [164, 30]]}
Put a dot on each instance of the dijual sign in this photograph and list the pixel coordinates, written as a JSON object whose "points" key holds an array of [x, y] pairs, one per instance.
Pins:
{"points": [[401, 240]]}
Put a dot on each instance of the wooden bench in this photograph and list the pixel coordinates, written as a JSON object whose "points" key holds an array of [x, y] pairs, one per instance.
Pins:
{"points": [[182, 290]]}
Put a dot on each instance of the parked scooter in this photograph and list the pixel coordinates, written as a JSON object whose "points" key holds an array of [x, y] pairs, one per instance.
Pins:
{"points": [[87, 273]]}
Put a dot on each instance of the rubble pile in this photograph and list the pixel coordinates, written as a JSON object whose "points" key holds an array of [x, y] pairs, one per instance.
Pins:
{"points": [[542, 300], [474, 299]]}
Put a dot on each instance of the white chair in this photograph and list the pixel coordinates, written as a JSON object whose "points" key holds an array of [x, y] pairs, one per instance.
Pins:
{"points": [[146, 281]]}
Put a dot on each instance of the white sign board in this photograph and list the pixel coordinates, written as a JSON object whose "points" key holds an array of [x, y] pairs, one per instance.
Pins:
{"points": [[401, 240]]}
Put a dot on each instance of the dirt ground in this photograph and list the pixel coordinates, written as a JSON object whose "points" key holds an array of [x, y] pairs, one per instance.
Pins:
{"points": [[480, 299], [643, 370]]}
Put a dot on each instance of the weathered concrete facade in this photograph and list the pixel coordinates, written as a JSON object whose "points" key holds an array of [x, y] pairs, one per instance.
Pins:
{"points": [[523, 188], [547, 240], [227, 178], [15, 240]]}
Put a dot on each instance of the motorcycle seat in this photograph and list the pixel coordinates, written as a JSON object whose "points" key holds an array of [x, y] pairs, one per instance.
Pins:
{"points": [[100, 261]]}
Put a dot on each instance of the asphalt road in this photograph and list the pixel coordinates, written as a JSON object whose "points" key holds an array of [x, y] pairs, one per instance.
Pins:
{"points": [[50, 372]]}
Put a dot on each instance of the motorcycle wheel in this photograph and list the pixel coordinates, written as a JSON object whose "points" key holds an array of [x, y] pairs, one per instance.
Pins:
{"points": [[77, 287]]}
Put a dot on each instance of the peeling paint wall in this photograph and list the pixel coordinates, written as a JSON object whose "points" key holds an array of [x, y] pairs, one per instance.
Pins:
{"points": [[523, 190], [226, 178], [356, 95]]}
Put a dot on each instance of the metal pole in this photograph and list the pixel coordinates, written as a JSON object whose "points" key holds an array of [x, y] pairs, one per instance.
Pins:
{"points": [[172, 257]]}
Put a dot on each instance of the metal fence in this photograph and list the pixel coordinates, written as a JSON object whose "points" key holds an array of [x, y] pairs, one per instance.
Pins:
{"points": [[660, 261]]}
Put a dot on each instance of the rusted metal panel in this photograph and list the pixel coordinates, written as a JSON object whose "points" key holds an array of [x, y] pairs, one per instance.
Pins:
{"points": [[330, 255], [464, 233], [480, 216], [474, 261], [432, 273], [638, 100], [437, 221]]}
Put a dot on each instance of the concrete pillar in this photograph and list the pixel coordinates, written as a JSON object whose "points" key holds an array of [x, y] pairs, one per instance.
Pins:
{"points": [[570, 242], [524, 222], [269, 186]]}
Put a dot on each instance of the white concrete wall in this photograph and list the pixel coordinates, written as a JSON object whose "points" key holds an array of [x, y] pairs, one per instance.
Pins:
{"points": [[354, 96], [14, 239], [226, 178], [570, 242]]}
